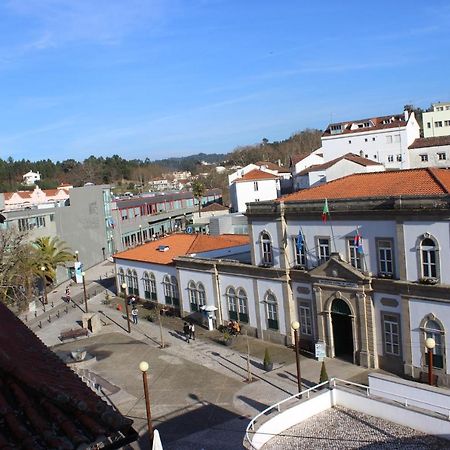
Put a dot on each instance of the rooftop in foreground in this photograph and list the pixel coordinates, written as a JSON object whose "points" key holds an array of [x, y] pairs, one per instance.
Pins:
{"points": [[344, 428]]}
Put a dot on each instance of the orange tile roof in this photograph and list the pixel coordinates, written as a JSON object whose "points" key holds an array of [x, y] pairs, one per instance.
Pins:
{"points": [[437, 141], [181, 245], [414, 182], [272, 166], [255, 175]]}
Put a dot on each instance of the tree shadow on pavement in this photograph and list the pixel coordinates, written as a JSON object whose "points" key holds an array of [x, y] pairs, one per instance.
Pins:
{"points": [[253, 403]]}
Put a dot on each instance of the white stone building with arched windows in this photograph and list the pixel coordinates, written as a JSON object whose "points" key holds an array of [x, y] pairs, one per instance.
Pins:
{"points": [[371, 283]]}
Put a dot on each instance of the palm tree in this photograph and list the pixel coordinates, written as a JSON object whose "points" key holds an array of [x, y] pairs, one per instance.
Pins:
{"points": [[51, 253], [198, 189]]}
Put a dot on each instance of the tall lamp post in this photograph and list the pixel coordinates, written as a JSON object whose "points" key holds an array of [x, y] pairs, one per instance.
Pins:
{"points": [[44, 285], [430, 343], [141, 241], [83, 274], [124, 288], [77, 255], [143, 366], [295, 326]]}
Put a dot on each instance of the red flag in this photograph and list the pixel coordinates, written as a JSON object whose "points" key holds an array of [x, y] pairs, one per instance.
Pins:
{"points": [[325, 212]]}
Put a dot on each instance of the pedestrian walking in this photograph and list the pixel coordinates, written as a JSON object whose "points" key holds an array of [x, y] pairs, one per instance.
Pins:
{"points": [[134, 315], [67, 294], [186, 330], [192, 331]]}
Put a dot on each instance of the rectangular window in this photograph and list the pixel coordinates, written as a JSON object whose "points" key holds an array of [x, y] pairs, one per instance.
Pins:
{"points": [[438, 124], [385, 257], [349, 142], [396, 138], [272, 316], [446, 123], [428, 124], [423, 158], [391, 329], [373, 139], [124, 214], [442, 156], [399, 158], [390, 158], [354, 256], [300, 256], [305, 320], [255, 186], [324, 250], [388, 139]]}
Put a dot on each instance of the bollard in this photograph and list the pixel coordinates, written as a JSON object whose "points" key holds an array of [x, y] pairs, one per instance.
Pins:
{"points": [[35, 314], [49, 318], [52, 304], [40, 324], [57, 314], [67, 310]]}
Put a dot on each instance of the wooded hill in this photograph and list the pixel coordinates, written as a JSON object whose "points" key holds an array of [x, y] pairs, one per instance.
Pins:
{"points": [[121, 172]]}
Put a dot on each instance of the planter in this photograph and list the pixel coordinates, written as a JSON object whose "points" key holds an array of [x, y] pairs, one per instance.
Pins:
{"points": [[429, 281], [228, 342], [268, 366]]}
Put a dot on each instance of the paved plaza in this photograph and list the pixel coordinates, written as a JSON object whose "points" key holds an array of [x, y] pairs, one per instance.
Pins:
{"points": [[342, 428], [200, 395]]}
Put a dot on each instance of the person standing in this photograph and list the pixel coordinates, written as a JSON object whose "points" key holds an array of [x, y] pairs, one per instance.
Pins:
{"points": [[187, 331], [134, 315], [192, 331]]}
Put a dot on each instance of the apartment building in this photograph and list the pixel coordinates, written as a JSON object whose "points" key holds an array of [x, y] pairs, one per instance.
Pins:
{"points": [[437, 122]]}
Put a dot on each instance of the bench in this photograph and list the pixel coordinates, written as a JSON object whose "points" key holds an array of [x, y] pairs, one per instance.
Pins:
{"points": [[73, 334]]}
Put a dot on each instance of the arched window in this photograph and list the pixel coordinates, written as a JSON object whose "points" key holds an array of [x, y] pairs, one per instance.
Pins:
{"points": [[192, 293], [171, 293], [242, 306], [433, 329], [134, 287], [129, 281], [428, 258], [149, 286], [121, 277], [201, 296], [266, 249], [232, 306], [271, 311]]}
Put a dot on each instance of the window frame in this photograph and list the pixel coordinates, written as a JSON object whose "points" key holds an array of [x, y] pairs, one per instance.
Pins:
{"points": [[271, 311], [266, 249], [439, 336], [354, 257], [305, 319], [319, 246], [299, 257], [391, 318], [380, 260], [425, 256]]}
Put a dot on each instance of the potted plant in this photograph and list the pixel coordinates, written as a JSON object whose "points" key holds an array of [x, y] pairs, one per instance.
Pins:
{"points": [[268, 364], [227, 338], [428, 280]]}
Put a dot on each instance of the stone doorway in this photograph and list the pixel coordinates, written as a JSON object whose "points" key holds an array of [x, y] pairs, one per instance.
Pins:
{"points": [[341, 322]]}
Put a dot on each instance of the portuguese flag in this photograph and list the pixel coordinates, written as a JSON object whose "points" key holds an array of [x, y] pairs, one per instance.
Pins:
{"points": [[325, 212]]}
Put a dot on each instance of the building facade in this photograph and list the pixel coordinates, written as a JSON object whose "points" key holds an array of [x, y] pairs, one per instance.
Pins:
{"points": [[430, 152], [437, 122]]}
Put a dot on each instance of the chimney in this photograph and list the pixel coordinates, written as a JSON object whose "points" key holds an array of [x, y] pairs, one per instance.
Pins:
{"points": [[406, 115]]}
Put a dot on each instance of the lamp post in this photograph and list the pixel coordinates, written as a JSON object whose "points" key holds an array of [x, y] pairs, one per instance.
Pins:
{"points": [[140, 234], [44, 285], [124, 287], [295, 326], [77, 255], [143, 367], [430, 343], [83, 274]]}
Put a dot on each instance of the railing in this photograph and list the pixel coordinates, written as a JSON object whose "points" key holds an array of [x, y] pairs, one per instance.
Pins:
{"points": [[277, 406], [407, 402], [369, 392]]}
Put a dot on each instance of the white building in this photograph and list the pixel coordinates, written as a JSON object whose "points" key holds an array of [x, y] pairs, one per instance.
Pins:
{"points": [[370, 282], [383, 139], [254, 186], [430, 152], [437, 122], [31, 178], [337, 168]]}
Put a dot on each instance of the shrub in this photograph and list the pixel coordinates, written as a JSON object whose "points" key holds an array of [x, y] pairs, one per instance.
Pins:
{"points": [[323, 373]]}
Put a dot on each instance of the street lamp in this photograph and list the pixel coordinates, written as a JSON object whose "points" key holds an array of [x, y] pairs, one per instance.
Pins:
{"points": [[143, 367], [83, 274], [295, 326], [140, 234], [44, 284], [430, 343], [77, 255], [124, 287]]}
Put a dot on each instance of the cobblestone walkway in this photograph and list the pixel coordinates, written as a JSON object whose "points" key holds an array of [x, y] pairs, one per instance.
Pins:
{"points": [[341, 428]]}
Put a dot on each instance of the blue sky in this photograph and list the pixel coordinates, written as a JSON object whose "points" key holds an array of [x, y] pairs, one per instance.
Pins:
{"points": [[157, 78]]}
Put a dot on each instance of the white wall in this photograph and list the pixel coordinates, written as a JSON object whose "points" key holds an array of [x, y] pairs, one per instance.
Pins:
{"points": [[310, 160], [432, 153], [276, 288], [345, 167], [159, 270], [418, 309], [244, 192], [440, 231], [434, 116]]}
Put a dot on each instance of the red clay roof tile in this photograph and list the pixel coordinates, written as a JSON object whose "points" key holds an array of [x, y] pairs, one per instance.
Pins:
{"points": [[255, 175]]}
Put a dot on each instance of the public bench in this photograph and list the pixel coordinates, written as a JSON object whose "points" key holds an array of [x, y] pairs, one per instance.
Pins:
{"points": [[73, 333]]}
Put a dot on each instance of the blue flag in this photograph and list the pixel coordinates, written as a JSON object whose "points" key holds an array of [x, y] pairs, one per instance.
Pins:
{"points": [[299, 242]]}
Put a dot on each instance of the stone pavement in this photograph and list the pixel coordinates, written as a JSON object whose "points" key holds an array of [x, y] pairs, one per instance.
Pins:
{"points": [[199, 391]]}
